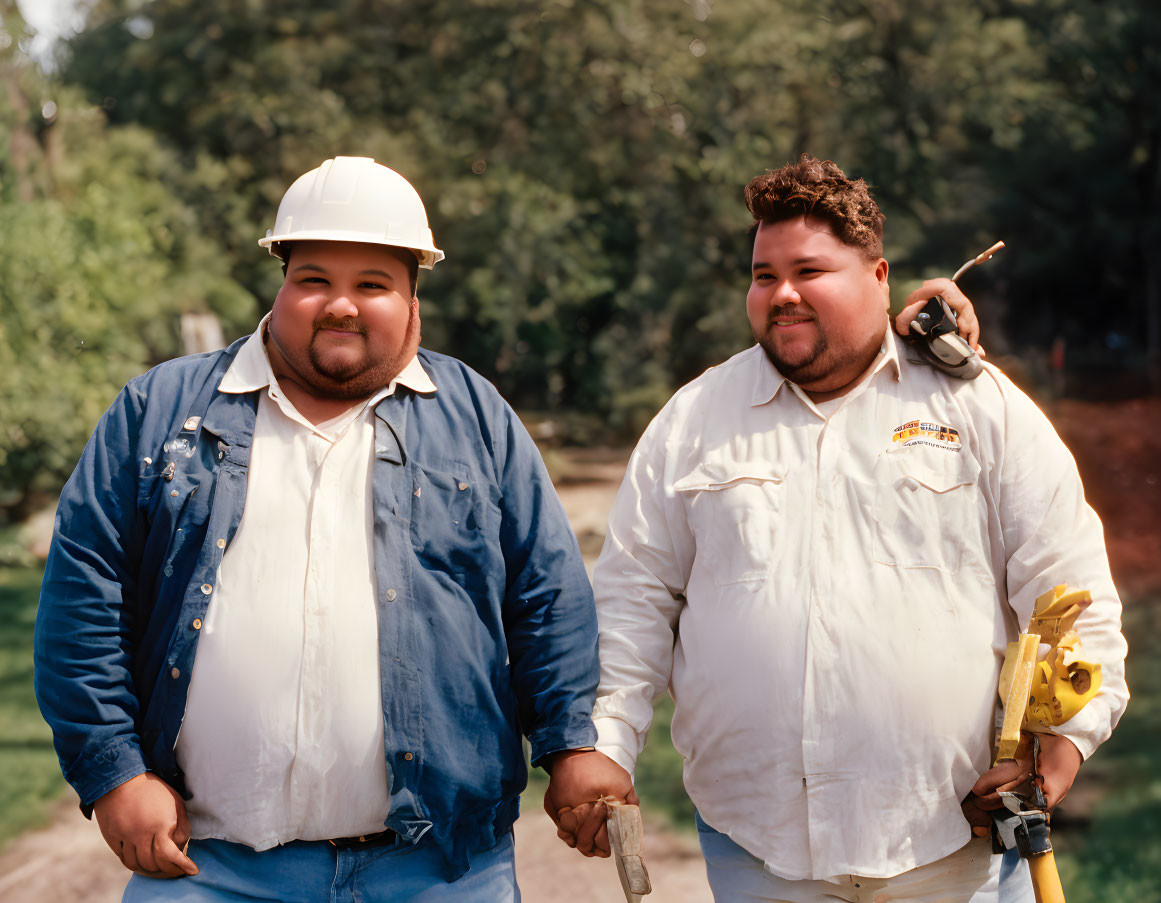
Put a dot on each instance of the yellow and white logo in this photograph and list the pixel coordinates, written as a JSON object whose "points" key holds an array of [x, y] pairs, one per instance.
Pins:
{"points": [[919, 432]]}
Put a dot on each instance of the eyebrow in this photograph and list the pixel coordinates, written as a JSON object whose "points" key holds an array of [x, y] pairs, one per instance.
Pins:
{"points": [[315, 268], [761, 264]]}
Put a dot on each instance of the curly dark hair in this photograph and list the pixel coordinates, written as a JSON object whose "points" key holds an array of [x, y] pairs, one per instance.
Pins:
{"points": [[818, 188]]}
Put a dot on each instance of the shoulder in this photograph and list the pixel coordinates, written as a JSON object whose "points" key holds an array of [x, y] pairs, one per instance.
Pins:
{"points": [[459, 386], [188, 373], [718, 391]]}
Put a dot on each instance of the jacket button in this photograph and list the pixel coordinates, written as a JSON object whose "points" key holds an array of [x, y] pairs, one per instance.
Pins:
{"points": [[175, 673], [197, 623], [463, 486], [221, 543], [206, 589], [390, 594], [408, 756]]}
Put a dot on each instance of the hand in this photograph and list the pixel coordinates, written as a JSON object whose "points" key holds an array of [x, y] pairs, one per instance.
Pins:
{"points": [[143, 821], [1059, 762], [968, 325], [581, 779]]}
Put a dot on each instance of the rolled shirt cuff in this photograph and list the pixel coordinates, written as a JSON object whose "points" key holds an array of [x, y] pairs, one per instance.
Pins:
{"points": [[619, 741]]}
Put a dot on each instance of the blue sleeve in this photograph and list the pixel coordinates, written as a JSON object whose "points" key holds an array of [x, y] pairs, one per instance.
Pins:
{"points": [[549, 616], [82, 645]]}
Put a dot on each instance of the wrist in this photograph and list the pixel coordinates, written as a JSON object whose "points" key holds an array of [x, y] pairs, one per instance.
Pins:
{"points": [[561, 755]]}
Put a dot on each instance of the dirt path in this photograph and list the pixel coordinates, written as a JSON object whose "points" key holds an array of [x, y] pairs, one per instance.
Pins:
{"points": [[68, 861]]}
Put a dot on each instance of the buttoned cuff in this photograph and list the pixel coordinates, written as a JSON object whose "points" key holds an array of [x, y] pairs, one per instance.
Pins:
{"points": [[115, 764], [575, 733], [619, 741]]}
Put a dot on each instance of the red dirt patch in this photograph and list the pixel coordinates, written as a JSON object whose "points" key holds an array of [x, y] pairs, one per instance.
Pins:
{"points": [[1117, 446]]}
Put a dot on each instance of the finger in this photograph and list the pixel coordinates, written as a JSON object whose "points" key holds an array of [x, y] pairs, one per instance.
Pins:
{"points": [[129, 857], [569, 839], [906, 315], [632, 799], [1003, 773], [146, 861], [967, 325], [973, 813], [593, 822], [180, 833], [171, 861], [601, 846], [980, 351]]}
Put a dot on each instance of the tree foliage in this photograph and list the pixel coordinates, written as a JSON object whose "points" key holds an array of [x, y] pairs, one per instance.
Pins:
{"points": [[582, 164]]}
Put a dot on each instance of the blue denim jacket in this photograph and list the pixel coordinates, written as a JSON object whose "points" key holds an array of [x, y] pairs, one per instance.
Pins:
{"points": [[490, 632]]}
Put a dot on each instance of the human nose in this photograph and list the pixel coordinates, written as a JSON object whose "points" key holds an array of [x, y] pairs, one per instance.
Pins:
{"points": [[340, 305], [785, 293]]}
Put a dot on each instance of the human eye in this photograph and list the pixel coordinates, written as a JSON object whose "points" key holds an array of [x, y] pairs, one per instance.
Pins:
{"points": [[314, 280], [373, 286]]}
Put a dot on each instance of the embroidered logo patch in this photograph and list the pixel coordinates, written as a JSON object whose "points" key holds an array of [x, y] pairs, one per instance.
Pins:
{"points": [[917, 432]]}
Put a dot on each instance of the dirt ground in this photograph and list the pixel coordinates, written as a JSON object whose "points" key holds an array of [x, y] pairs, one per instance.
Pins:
{"points": [[68, 862], [1118, 450]]}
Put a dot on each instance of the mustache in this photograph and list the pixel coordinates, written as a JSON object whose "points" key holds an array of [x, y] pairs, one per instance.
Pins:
{"points": [[790, 312], [344, 324]]}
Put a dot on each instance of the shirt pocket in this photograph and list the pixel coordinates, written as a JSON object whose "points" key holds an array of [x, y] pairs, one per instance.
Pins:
{"points": [[453, 522], [731, 509], [926, 507]]}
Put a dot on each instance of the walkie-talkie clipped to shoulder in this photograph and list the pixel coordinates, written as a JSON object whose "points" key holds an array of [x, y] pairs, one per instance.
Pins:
{"points": [[935, 329]]}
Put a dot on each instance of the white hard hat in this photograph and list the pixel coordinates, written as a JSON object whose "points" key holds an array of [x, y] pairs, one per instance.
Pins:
{"points": [[354, 199]]}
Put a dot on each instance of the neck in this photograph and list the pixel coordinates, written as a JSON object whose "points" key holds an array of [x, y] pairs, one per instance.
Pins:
{"points": [[314, 407], [831, 393]]}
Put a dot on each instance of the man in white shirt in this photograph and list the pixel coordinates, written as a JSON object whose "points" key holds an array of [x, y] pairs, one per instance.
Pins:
{"points": [[822, 547]]}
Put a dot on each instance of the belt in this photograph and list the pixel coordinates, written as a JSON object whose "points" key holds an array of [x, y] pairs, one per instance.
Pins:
{"points": [[363, 841]]}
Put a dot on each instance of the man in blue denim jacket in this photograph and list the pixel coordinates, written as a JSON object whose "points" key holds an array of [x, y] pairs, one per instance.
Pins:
{"points": [[306, 594]]}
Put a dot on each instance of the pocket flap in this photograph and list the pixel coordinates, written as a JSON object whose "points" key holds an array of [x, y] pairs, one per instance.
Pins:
{"points": [[939, 471], [711, 475]]}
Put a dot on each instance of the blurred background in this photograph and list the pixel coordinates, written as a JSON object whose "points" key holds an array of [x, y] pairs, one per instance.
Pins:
{"points": [[582, 165]]}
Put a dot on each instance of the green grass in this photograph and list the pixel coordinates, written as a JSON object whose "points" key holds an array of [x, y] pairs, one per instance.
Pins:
{"points": [[30, 779]]}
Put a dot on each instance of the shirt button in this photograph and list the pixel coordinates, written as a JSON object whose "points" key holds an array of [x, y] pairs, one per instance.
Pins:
{"points": [[197, 623], [408, 756], [221, 543], [206, 589], [391, 594], [173, 492], [463, 486], [175, 674]]}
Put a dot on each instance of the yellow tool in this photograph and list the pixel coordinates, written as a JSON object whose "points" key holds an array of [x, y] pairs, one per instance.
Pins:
{"points": [[1041, 692], [626, 832]]}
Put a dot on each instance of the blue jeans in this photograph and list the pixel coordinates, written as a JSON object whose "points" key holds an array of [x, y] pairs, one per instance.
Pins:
{"points": [[970, 874], [316, 872]]}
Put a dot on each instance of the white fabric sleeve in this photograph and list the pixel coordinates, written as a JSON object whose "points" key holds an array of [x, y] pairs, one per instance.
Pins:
{"points": [[638, 582], [1052, 536]]}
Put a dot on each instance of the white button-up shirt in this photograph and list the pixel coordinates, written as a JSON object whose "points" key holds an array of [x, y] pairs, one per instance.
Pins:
{"points": [[283, 731], [829, 597]]}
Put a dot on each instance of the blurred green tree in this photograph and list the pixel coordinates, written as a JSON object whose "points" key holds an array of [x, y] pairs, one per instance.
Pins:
{"points": [[100, 260]]}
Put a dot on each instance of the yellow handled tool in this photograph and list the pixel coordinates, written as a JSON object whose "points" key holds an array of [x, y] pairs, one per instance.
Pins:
{"points": [[1040, 692]]}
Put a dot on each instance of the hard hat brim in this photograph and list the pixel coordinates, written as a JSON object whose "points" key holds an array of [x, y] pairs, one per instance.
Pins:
{"points": [[428, 256]]}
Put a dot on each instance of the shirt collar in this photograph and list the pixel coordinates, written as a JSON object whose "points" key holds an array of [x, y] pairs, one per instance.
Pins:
{"points": [[768, 381], [251, 369]]}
